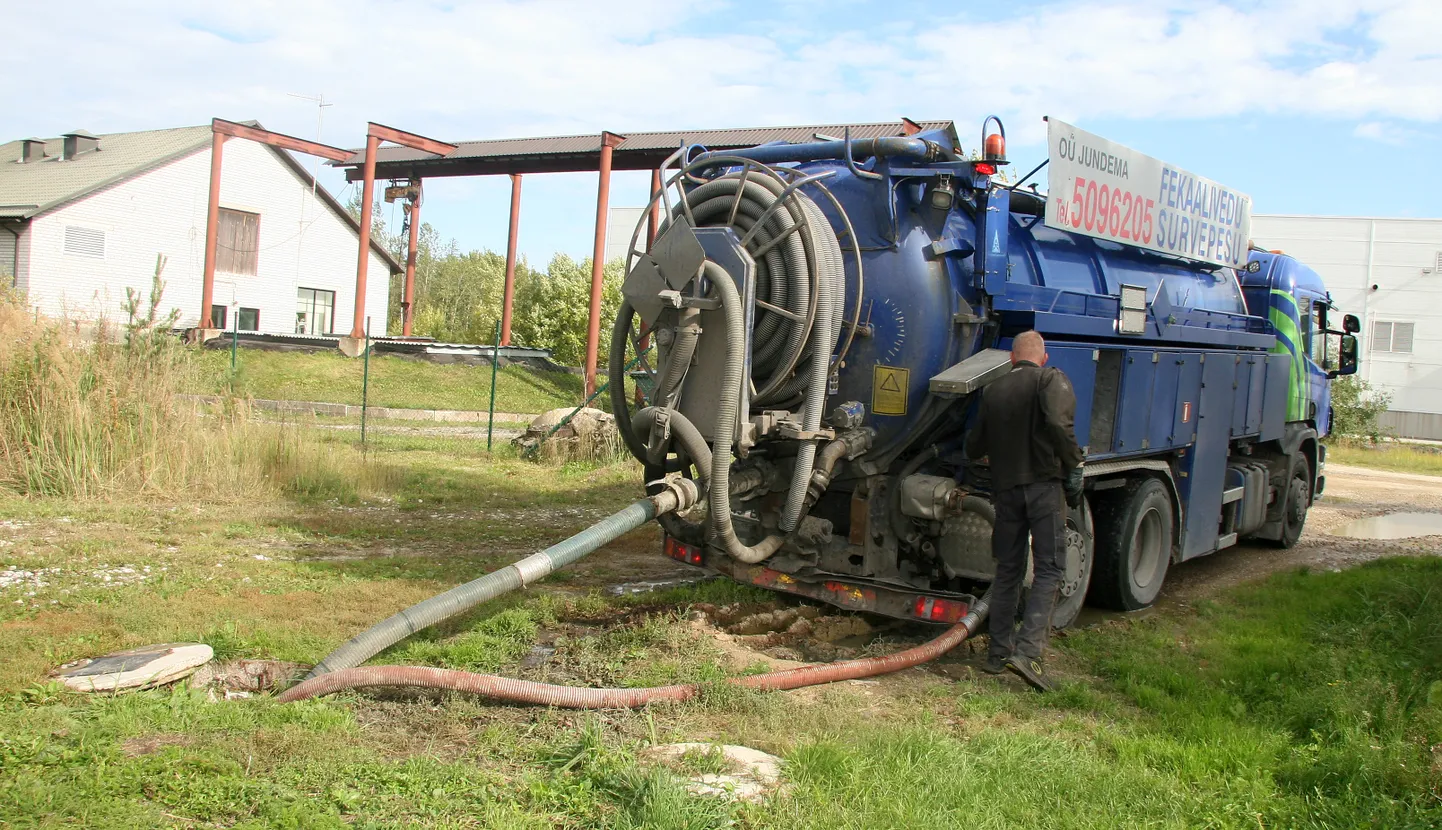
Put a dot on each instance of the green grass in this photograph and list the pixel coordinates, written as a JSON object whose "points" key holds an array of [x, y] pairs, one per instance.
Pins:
{"points": [[1307, 700], [394, 381], [1399, 457]]}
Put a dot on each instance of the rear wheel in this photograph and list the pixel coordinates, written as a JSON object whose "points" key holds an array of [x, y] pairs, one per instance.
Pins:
{"points": [[1076, 566], [1134, 535]]}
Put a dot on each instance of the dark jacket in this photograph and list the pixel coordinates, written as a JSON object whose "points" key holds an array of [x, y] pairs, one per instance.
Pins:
{"points": [[1025, 427]]}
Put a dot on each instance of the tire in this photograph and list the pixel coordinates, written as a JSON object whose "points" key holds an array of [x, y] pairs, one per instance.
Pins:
{"points": [[1296, 497], [1134, 534], [1077, 570]]}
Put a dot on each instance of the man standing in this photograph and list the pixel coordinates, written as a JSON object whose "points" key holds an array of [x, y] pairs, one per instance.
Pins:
{"points": [[1025, 428]]}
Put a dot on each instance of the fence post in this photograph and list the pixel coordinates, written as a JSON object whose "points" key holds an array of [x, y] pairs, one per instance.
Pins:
{"points": [[495, 362], [365, 381]]}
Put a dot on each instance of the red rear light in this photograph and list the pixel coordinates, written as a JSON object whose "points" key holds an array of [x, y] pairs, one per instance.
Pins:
{"points": [[985, 169], [938, 610], [682, 552]]}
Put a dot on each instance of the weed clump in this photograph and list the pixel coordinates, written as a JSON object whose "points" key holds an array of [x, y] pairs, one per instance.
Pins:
{"points": [[96, 410]]}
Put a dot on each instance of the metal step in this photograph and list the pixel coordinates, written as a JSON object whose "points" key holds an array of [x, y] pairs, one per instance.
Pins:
{"points": [[973, 373]]}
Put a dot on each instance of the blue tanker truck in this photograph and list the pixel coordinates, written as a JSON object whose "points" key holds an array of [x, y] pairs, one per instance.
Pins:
{"points": [[813, 324]]}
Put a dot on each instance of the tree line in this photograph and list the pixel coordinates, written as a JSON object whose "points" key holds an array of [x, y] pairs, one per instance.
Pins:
{"points": [[458, 294]]}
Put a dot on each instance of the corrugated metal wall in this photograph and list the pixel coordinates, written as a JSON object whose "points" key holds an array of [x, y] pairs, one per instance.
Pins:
{"points": [[1426, 425]]}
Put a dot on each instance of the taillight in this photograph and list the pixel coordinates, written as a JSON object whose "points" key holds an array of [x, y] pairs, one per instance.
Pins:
{"points": [[682, 552], [938, 610]]}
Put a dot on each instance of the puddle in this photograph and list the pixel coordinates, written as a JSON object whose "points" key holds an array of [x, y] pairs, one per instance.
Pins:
{"points": [[1393, 526], [629, 588]]}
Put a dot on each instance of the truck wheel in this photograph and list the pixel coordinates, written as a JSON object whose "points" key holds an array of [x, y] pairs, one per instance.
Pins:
{"points": [[1295, 495], [1077, 569], [1135, 535]]}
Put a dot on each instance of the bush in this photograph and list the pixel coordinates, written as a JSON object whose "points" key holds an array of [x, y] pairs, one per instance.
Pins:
{"points": [[97, 411], [1356, 408]]}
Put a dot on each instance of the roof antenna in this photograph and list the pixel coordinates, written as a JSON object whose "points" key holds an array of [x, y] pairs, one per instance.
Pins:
{"points": [[320, 104]]}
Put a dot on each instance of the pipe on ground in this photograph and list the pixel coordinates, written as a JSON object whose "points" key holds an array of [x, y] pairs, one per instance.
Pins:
{"points": [[678, 495], [568, 697]]}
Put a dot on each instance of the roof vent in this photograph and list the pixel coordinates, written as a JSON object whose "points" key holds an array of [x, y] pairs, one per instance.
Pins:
{"points": [[32, 150], [79, 141]]}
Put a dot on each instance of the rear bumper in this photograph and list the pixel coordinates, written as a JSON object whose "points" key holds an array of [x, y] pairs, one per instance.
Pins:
{"points": [[851, 594]]}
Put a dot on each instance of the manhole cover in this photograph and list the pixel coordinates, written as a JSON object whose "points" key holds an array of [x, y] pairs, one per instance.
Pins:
{"points": [[135, 668]]}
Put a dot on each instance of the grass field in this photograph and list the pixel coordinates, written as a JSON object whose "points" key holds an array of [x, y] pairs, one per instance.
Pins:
{"points": [[1402, 458], [1309, 700], [394, 381]]}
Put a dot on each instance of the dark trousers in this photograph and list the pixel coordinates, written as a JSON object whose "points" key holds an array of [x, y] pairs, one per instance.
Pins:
{"points": [[1038, 510]]}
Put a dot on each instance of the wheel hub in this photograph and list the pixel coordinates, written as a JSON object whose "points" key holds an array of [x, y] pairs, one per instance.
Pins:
{"points": [[1075, 561]]}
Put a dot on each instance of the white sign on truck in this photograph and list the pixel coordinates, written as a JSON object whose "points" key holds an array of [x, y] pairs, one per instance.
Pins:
{"points": [[1102, 189]]}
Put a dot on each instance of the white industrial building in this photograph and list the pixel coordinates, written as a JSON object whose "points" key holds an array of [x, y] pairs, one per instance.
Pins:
{"points": [[1389, 273], [83, 218]]}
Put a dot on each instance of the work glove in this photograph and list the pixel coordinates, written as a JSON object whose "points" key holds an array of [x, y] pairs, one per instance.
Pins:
{"points": [[1073, 487]]}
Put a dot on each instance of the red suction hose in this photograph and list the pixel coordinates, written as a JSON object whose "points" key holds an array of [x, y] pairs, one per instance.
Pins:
{"points": [[570, 697]]}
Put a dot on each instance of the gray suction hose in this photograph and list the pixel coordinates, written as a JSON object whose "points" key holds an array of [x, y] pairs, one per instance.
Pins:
{"points": [[682, 430], [719, 495], [830, 280], [679, 495]]}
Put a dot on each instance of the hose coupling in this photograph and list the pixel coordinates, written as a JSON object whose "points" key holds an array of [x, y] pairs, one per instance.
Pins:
{"points": [[679, 494]]}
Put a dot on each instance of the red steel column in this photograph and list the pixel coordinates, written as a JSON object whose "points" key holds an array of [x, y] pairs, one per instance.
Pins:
{"points": [[408, 299], [603, 197], [655, 218], [212, 232], [511, 259], [368, 191]]}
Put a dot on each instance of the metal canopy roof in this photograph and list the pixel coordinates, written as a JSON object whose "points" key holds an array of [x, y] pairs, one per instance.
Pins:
{"points": [[582, 153]]}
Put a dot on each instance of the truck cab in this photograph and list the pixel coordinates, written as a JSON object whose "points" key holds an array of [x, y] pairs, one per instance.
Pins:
{"points": [[1293, 298]]}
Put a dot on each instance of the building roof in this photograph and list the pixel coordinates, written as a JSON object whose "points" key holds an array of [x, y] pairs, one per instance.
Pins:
{"points": [[29, 189], [579, 153]]}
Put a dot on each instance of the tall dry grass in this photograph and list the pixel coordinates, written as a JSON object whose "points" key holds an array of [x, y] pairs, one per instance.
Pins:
{"points": [[96, 411]]}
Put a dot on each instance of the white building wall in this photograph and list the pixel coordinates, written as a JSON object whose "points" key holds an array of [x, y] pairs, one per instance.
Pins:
{"points": [[620, 224], [303, 244], [1378, 269]]}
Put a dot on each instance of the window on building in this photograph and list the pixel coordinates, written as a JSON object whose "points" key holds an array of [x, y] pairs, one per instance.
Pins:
{"points": [[237, 248], [314, 311], [1391, 336], [84, 242], [217, 316], [248, 319]]}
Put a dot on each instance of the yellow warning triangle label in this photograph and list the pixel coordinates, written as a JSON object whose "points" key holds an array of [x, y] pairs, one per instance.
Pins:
{"points": [[889, 387]]}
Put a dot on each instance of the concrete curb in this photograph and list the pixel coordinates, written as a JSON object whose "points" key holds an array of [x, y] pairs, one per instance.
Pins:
{"points": [[463, 416]]}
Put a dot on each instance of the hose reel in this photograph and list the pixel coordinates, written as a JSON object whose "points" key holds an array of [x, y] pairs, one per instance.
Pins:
{"points": [[744, 289]]}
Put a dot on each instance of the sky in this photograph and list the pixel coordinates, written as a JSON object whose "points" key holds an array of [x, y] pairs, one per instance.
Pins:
{"points": [[1329, 107]]}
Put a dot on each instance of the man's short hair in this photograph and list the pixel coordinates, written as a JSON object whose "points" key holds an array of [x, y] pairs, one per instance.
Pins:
{"points": [[1028, 345]]}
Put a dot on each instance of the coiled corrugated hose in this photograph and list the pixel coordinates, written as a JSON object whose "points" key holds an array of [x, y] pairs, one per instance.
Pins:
{"points": [[546, 694]]}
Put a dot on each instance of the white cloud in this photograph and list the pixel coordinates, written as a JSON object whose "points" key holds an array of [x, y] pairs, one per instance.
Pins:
{"points": [[492, 68]]}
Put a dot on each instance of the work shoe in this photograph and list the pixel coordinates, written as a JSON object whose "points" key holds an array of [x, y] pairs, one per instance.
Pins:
{"points": [[1030, 670], [995, 664]]}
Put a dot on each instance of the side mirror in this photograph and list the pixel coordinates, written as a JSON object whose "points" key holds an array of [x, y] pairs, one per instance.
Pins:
{"points": [[1346, 356], [1351, 324]]}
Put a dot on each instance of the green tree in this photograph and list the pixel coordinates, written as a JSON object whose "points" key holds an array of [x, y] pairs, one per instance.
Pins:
{"points": [[1356, 408], [552, 308]]}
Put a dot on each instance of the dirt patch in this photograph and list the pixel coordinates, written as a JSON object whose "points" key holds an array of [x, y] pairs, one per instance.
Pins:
{"points": [[248, 676], [151, 744]]}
